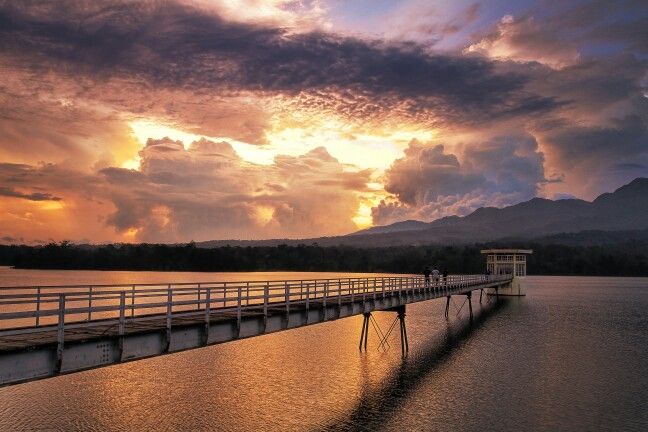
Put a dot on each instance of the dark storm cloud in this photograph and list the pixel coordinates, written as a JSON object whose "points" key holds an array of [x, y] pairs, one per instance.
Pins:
{"points": [[33, 196], [589, 55], [629, 134], [622, 22], [430, 183], [175, 45]]}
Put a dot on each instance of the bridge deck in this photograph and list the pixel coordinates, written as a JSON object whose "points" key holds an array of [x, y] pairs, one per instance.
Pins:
{"points": [[58, 329]]}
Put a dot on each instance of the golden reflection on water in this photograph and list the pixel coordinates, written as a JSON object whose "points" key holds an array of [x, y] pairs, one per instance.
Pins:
{"points": [[537, 363], [19, 277]]}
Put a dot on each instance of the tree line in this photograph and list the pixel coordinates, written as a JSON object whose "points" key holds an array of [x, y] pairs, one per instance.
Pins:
{"points": [[627, 259]]}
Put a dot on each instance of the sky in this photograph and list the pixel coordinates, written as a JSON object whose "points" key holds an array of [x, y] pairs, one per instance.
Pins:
{"points": [[180, 120]]}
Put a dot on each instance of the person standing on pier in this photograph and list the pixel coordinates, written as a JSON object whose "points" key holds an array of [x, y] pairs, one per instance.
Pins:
{"points": [[426, 273], [435, 275], [445, 275]]}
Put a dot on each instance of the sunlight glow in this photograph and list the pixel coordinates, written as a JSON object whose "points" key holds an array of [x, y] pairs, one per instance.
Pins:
{"points": [[133, 164], [263, 214], [362, 219], [364, 151], [143, 130], [50, 205], [376, 151], [131, 233]]}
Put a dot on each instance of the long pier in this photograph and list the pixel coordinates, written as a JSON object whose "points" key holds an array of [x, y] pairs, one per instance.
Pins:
{"points": [[51, 330]]}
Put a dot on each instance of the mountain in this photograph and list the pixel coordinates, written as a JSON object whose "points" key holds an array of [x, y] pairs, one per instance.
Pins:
{"points": [[625, 209], [408, 225]]}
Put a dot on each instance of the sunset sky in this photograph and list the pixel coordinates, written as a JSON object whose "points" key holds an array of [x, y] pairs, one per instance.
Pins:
{"points": [[171, 121]]}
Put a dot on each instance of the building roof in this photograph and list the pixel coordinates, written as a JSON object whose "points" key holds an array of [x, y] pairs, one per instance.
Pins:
{"points": [[507, 251]]}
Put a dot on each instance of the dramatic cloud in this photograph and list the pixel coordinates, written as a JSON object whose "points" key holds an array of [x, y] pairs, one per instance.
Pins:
{"points": [[175, 45], [32, 196], [430, 183], [618, 152], [525, 40], [296, 130], [203, 192]]}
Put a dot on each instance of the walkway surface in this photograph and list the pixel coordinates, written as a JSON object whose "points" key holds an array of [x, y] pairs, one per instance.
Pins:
{"points": [[66, 324]]}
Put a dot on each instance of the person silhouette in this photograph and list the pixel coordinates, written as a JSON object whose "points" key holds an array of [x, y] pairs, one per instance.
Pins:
{"points": [[426, 273], [435, 275]]}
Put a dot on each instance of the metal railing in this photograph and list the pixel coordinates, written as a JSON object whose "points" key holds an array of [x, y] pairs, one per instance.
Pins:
{"points": [[33, 309]]}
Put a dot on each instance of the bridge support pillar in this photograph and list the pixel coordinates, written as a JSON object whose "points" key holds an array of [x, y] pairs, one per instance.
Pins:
{"points": [[481, 293], [364, 336], [469, 295], [403, 328], [447, 309], [400, 310]]}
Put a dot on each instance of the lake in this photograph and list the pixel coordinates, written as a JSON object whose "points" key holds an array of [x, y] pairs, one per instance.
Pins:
{"points": [[571, 355]]}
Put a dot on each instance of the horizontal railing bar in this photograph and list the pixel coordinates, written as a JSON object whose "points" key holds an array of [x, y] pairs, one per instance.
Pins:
{"points": [[232, 286], [223, 295], [180, 284]]}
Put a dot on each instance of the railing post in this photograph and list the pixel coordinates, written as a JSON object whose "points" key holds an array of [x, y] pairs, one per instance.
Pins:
{"points": [[238, 308], [339, 294], [374, 290], [325, 294], [133, 302], [287, 297], [247, 293], [122, 320], [364, 292], [266, 294], [38, 300], [325, 297], [207, 315], [169, 317], [89, 302], [307, 295], [198, 302], [60, 336], [383, 287], [122, 312], [287, 301], [224, 294]]}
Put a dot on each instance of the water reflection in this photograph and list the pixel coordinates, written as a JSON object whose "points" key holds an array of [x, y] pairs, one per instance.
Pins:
{"points": [[377, 404], [572, 355]]}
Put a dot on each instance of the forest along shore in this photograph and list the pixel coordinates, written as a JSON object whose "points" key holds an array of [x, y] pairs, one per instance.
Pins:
{"points": [[624, 259]]}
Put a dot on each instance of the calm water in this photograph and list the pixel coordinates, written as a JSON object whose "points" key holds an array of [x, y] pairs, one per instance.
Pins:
{"points": [[572, 355]]}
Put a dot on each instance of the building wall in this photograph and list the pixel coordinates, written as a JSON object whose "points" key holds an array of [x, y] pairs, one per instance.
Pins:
{"points": [[506, 264]]}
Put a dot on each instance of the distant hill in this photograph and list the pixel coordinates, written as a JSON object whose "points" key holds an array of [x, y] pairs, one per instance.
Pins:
{"points": [[625, 209], [408, 225]]}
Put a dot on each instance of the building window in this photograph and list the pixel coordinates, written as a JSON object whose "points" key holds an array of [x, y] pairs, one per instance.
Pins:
{"points": [[520, 270]]}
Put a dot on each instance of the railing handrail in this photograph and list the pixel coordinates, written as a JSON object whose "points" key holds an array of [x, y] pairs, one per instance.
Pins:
{"points": [[125, 285], [217, 283], [201, 296]]}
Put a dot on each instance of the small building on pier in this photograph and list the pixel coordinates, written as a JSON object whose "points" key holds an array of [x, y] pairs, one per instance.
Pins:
{"points": [[508, 261]]}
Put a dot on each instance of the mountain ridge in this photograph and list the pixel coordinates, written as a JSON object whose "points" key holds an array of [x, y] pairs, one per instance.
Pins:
{"points": [[625, 209]]}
